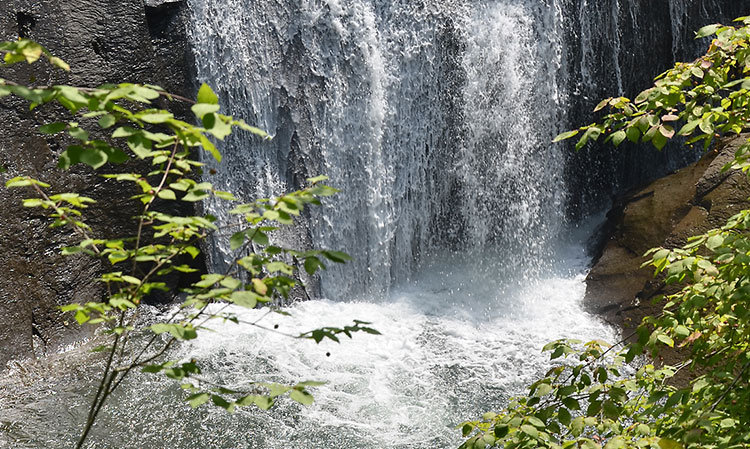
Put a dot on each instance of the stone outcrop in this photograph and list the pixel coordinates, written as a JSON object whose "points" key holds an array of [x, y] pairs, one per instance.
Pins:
{"points": [[666, 213], [113, 41]]}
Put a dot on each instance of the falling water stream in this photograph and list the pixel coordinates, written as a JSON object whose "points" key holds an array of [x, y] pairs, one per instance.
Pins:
{"points": [[434, 118]]}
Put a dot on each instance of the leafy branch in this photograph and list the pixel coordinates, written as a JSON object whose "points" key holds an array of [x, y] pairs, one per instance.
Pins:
{"points": [[114, 123]]}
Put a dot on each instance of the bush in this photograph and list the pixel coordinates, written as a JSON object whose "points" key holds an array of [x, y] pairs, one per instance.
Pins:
{"points": [[596, 397]]}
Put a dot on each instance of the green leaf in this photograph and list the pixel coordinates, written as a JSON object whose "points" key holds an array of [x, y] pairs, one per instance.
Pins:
{"points": [[312, 264], [682, 331], [197, 400], [93, 157], [59, 63], [666, 443], [530, 431], [706, 31], [611, 410], [260, 238], [616, 443], [337, 256], [201, 109], [602, 104], [210, 147], [259, 286], [633, 133], [154, 116], [563, 415], [73, 96], [166, 194], [18, 182], [643, 429], [138, 144], [195, 195], [124, 131], [218, 126], [301, 396], [728, 423], [237, 240], [543, 389], [643, 96], [78, 133], [536, 422], [53, 128], [263, 402], [659, 140], [180, 332], [317, 179], [688, 128], [618, 137], [244, 298], [666, 340], [501, 430], [565, 135], [571, 403], [206, 95], [107, 121]]}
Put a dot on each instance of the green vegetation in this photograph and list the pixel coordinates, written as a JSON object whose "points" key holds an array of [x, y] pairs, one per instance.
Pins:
{"points": [[608, 396], [116, 123]]}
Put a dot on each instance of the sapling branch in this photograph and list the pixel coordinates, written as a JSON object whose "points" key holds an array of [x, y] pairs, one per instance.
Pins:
{"points": [[139, 233]]}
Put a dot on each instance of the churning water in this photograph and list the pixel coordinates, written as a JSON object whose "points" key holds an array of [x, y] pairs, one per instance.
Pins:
{"points": [[455, 343], [434, 118]]}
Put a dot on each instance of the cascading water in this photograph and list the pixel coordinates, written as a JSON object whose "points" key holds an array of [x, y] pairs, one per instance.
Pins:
{"points": [[434, 119]]}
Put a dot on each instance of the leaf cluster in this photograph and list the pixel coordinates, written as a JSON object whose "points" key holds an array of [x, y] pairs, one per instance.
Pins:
{"points": [[114, 123]]}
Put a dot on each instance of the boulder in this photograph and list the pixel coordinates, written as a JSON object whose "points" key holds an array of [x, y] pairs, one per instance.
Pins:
{"points": [[666, 213]]}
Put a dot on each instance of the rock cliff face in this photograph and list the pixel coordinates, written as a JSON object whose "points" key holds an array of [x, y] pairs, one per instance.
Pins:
{"points": [[665, 213], [103, 41]]}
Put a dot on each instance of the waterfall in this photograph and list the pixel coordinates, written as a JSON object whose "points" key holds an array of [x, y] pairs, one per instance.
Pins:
{"points": [[434, 119]]}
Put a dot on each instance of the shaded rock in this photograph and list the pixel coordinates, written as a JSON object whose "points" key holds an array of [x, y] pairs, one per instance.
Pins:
{"points": [[666, 213], [103, 42]]}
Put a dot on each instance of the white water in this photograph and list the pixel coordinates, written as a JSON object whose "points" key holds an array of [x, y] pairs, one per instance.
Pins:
{"points": [[456, 342], [434, 118], [454, 345]]}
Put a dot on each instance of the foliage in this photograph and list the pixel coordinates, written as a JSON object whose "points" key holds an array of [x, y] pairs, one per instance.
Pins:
{"points": [[127, 124], [597, 396]]}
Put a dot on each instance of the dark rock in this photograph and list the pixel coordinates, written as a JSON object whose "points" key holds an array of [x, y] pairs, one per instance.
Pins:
{"points": [[118, 41], [688, 202]]}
